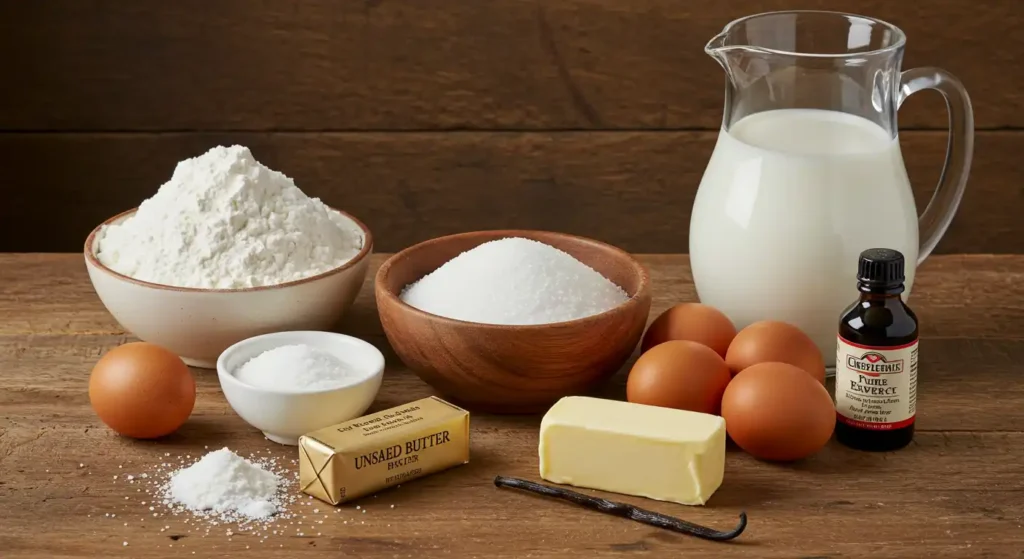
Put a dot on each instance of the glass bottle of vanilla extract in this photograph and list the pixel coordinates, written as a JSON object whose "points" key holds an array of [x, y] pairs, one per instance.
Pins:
{"points": [[876, 359]]}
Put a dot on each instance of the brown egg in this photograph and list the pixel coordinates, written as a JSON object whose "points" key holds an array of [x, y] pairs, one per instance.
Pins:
{"points": [[679, 374], [694, 322], [776, 411], [773, 341], [142, 390]]}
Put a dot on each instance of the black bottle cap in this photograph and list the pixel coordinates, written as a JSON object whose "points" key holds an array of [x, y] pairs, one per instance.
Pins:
{"points": [[881, 266]]}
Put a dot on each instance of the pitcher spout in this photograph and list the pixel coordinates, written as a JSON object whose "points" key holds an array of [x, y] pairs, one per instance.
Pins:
{"points": [[725, 48], [716, 43], [716, 47]]}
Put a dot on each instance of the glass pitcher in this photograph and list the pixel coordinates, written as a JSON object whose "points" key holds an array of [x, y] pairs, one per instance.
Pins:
{"points": [[807, 171]]}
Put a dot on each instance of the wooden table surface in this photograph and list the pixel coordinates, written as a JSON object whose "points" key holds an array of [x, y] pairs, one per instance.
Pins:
{"points": [[957, 491]]}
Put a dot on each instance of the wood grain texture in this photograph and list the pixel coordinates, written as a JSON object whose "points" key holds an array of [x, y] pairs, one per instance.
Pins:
{"points": [[955, 492], [633, 190], [439, 64], [512, 368]]}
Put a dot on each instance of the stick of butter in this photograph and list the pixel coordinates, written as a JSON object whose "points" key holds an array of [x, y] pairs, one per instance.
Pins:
{"points": [[367, 454], [647, 451]]}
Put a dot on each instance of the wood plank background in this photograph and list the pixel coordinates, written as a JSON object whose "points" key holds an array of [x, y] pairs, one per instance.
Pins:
{"points": [[428, 117]]}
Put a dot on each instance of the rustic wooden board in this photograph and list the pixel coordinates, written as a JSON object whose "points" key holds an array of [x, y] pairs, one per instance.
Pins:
{"points": [[440, 64], [631, 189], [957, 491]]}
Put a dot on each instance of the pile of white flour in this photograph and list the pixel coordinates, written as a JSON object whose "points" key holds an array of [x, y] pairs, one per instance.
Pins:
{"points": [[222, 496], [226, 485], [225, 221]]}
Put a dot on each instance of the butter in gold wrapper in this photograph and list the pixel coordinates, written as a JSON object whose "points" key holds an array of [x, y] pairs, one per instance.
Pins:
{"points": [[362, 456]]}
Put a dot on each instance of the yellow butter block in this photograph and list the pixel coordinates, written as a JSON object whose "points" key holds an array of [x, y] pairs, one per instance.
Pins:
{"points": [[648, 451]]}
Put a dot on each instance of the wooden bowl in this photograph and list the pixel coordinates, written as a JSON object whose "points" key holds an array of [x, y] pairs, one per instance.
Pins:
{"points": [[512, 369]]}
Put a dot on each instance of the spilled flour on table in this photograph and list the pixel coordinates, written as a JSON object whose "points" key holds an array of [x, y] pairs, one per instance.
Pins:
{"points": [[223, 494], [225, 486]]}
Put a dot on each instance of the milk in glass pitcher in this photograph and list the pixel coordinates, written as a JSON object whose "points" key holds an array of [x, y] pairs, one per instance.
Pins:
{"points": [[807, 171]]}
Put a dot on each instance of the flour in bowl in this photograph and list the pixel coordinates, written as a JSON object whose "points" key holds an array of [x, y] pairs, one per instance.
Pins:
{"points": [[226, 221]]}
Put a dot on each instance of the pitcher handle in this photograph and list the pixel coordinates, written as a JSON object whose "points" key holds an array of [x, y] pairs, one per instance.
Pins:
{"points": [[959, 150]]}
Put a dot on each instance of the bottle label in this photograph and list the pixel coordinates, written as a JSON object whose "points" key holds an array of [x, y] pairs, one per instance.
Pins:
{"points": [[876, 387]]}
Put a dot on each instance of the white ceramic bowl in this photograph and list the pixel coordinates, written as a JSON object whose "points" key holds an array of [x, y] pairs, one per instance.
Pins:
{"points": [[284, 416], [198, 324]]}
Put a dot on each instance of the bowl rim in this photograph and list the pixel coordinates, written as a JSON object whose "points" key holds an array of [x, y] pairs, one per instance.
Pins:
{"points": [[90, 256], [393, 298], [225, 376]]}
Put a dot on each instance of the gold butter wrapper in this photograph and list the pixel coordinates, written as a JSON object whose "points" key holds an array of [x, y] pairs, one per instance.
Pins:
{"points": [[362, 456]]}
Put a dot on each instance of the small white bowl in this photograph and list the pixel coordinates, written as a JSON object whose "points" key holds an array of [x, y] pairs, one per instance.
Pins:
{"points": [[198, 324], [284, 416]]}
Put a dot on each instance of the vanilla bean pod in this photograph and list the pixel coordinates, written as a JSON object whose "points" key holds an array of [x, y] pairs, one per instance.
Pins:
{"points": [[624, 510]]}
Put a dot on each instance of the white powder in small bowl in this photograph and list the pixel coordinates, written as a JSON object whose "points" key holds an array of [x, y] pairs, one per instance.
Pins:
{"points": [[296, 368]]}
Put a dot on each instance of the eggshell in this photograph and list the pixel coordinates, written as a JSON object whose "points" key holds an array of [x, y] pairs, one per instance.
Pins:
{"points": [[773, 341], [776, 411], [679, 374], [694, 322], [142, 390]]}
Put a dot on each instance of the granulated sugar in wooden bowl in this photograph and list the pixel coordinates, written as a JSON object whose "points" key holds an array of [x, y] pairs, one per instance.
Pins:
{"points": [[525, 325]]}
